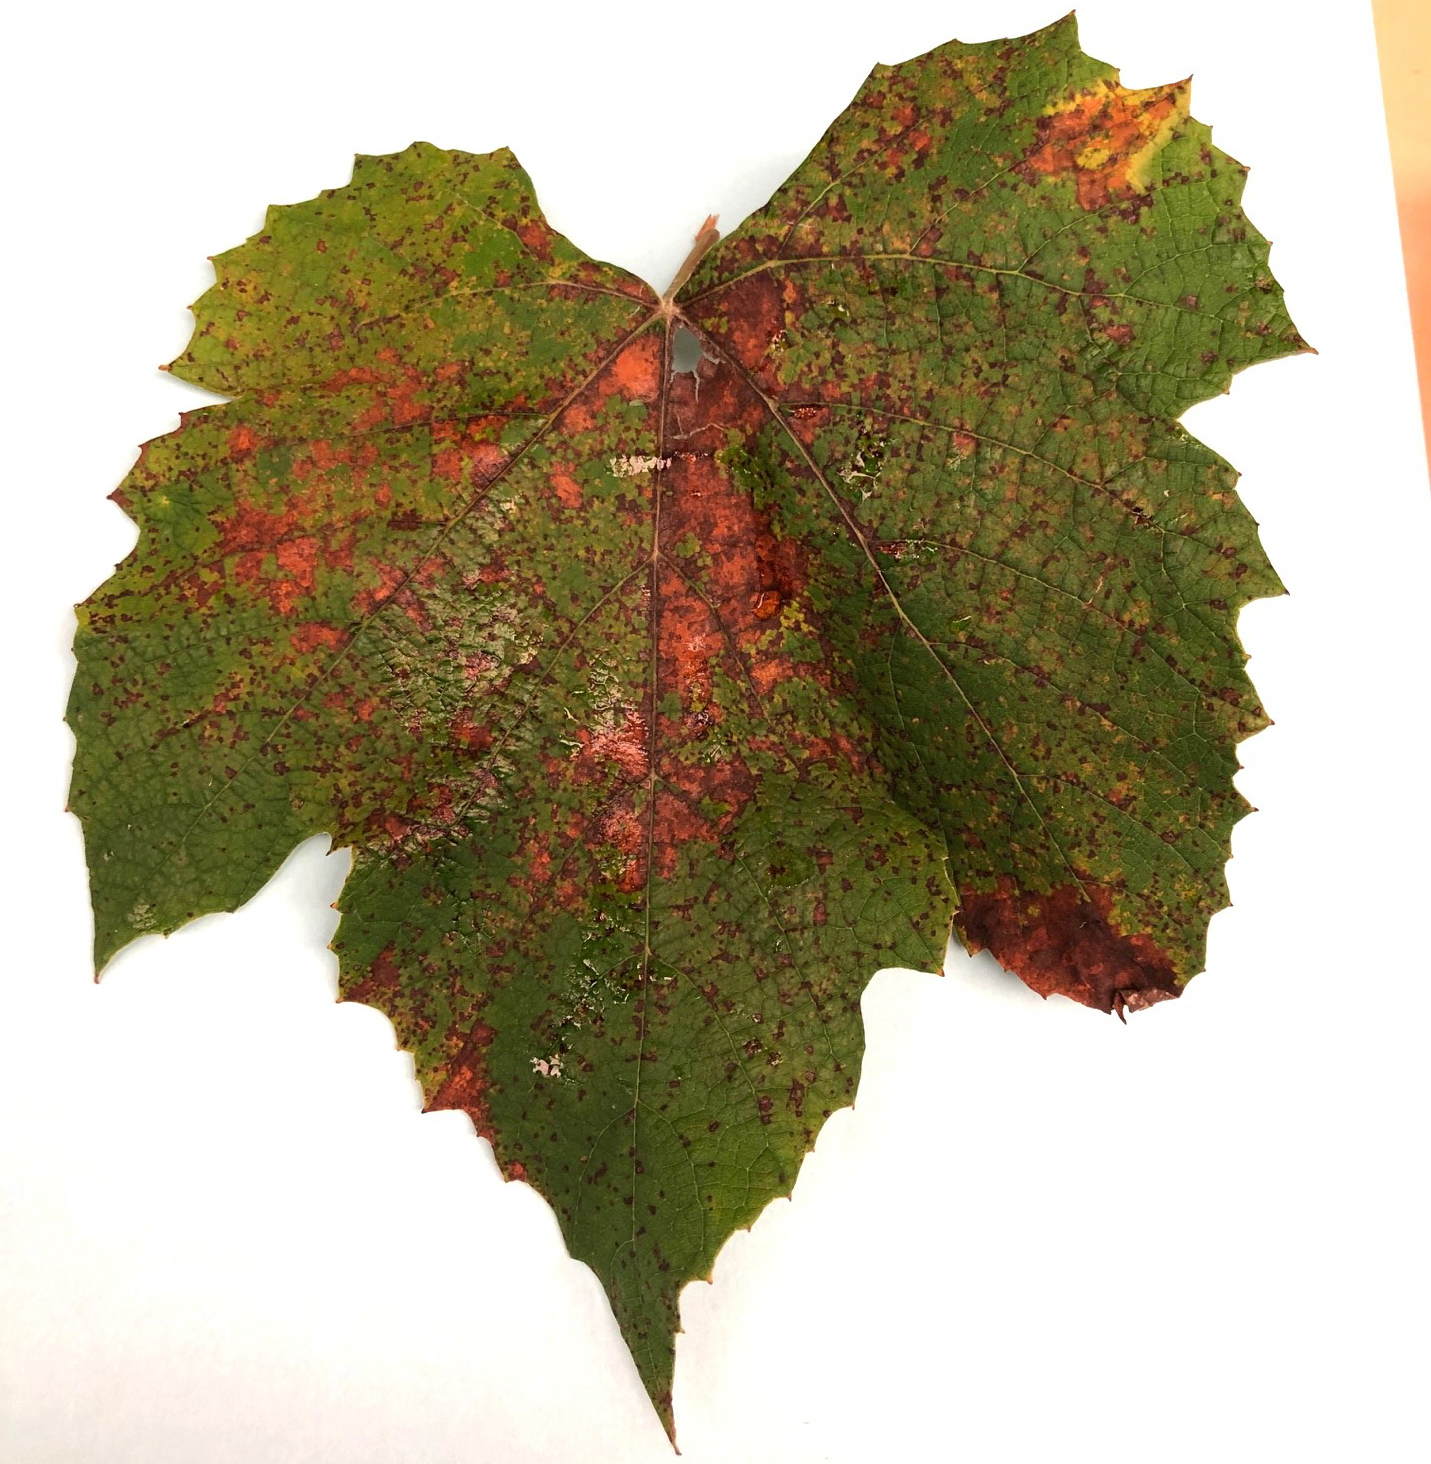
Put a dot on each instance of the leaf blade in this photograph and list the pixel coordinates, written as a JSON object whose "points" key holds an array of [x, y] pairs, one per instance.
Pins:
{"points": [[660, 708]]}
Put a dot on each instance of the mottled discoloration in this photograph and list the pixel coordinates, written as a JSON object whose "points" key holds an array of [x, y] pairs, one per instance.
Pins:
{"points": [[1107, 139], [661, 708]]}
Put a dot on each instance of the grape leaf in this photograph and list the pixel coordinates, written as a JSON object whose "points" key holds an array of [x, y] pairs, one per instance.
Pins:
{"points": [[660, 707]]}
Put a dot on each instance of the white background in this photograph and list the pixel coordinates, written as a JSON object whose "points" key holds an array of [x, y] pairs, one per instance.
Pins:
{"points": [[228, 1233]]}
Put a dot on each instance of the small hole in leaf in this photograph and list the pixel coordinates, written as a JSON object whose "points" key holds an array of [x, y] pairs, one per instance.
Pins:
{"points": [[685, 350]]}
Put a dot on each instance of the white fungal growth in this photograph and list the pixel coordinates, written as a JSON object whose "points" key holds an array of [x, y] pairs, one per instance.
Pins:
{"points": [[630, 467], [859, 472]]}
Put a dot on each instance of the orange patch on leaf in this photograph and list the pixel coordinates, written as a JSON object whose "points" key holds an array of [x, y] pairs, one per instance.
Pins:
{"points": [[624, 828], [309, 636], [242, 442], [1105, 138], [568, 490], [299, 557], [624, 744], [637, 370]]}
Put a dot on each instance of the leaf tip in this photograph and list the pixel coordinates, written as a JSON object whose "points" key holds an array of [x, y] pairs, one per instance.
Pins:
{"points": [[1064, 941]]}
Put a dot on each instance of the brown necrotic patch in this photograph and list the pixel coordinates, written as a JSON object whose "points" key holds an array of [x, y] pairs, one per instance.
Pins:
{"points": [[707, 403], [380, 982], [466, 453], [276, 554], [467, 1081], [748, 323], [1064, 941], [698, 803], [749, 568]]}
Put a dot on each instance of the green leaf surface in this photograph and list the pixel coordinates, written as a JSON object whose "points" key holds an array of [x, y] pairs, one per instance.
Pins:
{"points": [[661, 708]]}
